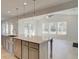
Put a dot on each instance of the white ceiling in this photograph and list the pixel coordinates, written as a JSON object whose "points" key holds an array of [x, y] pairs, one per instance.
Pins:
{"points": [[72, 11], [67, 12], [11, 5]]}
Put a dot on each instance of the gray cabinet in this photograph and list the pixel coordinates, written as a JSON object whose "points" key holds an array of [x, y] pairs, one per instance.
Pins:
{"points": [[33, 50], [7, 44], [24, 50], [33, 53], [17, 50], [3, 41], [30, 50]]}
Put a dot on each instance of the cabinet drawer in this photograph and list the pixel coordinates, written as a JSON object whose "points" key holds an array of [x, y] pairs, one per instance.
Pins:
{"points": [[34, 45], [24, 43]]}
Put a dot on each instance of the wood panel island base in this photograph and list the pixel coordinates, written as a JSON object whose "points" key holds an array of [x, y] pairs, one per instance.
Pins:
{"points": [[31, 48]]}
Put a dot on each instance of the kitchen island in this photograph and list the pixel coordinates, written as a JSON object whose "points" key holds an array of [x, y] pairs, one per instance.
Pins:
{"points": [[34, 47]]}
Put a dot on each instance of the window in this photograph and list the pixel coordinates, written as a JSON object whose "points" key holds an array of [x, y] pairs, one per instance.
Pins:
{"points": [[62, 28], [3, 29], [29, 30], [7, 28], [59, 28], [45, 28], [52, 28], [26, 30], [11, 28]]}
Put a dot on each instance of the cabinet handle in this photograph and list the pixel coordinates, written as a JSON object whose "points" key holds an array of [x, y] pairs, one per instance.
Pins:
{"points": [[24, 45], [51, 41]]}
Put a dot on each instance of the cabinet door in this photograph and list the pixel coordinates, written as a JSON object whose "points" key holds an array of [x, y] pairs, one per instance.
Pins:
{"points": [[7, 44], [4, 42], [33, 53], [24, 50], [17, 50]]}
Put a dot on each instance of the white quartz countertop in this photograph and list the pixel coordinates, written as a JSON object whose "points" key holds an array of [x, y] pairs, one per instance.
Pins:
{"points": [[8, 35], [35, 39]]}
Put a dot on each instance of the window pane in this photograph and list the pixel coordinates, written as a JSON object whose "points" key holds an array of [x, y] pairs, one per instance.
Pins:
{"points": [[62, 27], [45, 28], [11, 28], [53, 28], [7, 28]]}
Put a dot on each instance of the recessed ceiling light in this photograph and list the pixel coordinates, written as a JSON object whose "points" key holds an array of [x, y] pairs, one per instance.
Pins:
{"points": [[9, 11], [25, 3]]}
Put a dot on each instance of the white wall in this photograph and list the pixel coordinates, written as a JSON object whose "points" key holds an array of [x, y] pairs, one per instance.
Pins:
{"points": [[62, 44], [62, 49], [71, 25]]}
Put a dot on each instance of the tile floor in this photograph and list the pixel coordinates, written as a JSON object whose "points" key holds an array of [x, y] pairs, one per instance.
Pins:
{"points": [[6, 55]]}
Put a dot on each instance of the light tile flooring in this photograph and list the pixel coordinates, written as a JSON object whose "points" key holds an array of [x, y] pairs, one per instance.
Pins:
{"points": [[6, 55]]}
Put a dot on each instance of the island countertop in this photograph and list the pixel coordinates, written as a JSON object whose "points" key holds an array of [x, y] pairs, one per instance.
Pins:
{"points": [[34, 39]]}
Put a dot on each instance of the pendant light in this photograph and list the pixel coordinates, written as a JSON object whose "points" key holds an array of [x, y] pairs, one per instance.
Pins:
{"points": [[34, 7], [17, 12], [17, 19], [26, 29], [25, 4]]}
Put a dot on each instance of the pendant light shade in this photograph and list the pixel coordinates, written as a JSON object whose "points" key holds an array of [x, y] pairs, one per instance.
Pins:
{"points": [[17, 12]]}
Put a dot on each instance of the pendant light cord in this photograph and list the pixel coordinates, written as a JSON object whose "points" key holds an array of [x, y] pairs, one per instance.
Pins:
{"points": [[34, 7], [17, 12], [24, 10]]}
